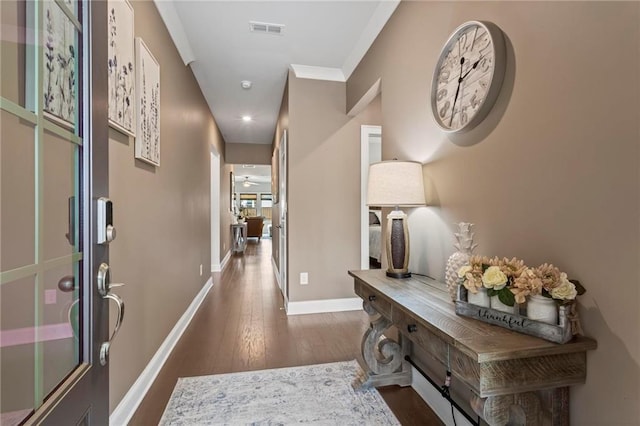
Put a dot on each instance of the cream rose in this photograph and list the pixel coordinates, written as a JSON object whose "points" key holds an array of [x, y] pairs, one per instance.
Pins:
{"points": [[494, 278], [463, 270], [566, 290]]}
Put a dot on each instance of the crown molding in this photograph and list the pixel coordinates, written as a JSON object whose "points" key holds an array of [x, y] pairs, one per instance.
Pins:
{"points": [[318, 73], [176, 30]]}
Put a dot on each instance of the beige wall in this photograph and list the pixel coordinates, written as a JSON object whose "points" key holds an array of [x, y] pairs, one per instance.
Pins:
{"points": [[324, 189], [248, 153], [552, 175], [162, 214]]}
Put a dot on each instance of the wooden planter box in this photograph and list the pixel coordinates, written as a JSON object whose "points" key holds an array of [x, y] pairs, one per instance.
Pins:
{"points": [[560, 333]]}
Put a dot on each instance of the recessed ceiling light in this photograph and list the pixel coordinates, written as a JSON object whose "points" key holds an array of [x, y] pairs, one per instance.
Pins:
{"points": [[246, 84], [246, 118]]}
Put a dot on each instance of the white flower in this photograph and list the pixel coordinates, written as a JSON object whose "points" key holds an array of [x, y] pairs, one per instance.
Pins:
{"points": [[494, 278], [463, 270], [565, 291]]}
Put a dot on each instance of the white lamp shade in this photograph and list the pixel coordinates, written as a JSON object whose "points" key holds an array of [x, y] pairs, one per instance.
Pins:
{"points": [[395, 183]]}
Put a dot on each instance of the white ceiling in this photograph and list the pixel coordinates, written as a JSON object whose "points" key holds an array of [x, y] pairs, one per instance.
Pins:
{"points": [[254, 173], [320, 38]]}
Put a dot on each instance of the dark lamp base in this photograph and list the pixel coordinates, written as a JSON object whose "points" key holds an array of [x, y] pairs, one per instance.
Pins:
{"points": [[399, 274]]}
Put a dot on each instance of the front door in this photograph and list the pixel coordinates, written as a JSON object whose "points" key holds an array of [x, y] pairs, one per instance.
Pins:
{"points": [[54, 167]]}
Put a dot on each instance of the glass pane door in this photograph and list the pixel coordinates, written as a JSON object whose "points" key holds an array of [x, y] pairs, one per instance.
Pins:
{"points": [[41, 203]]}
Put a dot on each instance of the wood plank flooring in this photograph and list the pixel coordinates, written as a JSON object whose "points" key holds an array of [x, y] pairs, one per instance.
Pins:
{"points": [[242, 326]]}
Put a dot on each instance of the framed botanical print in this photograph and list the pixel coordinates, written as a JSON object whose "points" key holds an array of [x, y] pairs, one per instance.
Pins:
{"points": [[232, 192], [275, 184], [59, 62], [147, 146], [121, 69]]}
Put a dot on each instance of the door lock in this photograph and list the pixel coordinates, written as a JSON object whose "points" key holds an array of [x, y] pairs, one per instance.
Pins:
{"points": [[106, 230]]}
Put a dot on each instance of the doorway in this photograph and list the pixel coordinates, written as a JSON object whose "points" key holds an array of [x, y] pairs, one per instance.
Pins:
{"points": [[253, 198], [370, 219], [282, 252], [215, 211]]}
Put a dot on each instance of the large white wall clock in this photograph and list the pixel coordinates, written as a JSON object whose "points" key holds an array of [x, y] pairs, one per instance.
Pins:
{"points": [[468, 76]]}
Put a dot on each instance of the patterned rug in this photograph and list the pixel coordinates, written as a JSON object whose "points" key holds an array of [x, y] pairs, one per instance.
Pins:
{"points": [[314, 394]]}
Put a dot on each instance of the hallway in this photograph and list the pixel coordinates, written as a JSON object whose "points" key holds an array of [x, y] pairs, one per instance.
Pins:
{"points": [[242, 326]]}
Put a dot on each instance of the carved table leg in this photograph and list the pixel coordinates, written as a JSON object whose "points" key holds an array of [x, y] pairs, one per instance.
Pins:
{"points": [[384, 357]]}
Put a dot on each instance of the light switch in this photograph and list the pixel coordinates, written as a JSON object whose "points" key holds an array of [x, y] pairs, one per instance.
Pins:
{"points": [[304, 278]]}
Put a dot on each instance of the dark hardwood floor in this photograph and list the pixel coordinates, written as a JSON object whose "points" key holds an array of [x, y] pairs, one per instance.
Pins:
{"points": [[242, 326]]}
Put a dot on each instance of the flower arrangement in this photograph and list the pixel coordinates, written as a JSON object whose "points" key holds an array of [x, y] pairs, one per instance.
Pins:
{"points": [[546, 280], [497, 275], [512, 281]]}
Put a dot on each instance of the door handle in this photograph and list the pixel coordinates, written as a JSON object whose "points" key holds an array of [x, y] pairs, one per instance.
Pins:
{"points": [[104, 288], [104, 349], [67, 283]]}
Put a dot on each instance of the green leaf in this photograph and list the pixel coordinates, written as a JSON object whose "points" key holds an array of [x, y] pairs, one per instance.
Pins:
{"points": [[506, 297], [491, 292], [485, 267]]}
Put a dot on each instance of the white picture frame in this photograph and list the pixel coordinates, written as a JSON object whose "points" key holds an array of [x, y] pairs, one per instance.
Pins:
{"points": [[147, 145], [121, 66], [59, 64]]}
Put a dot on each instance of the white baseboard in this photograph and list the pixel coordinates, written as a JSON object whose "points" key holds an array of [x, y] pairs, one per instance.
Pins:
{"points": [[130, 402], [323, 306], [434, 399], [276, 272], [220, 267]]}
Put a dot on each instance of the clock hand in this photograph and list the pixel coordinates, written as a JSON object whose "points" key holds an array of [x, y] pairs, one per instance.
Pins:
{"points": [[457, 91], [460, 80], [475, 65], [461, 64]]}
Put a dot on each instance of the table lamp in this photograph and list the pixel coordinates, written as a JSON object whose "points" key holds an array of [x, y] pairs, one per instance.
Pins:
{"points": [[396, 184]]}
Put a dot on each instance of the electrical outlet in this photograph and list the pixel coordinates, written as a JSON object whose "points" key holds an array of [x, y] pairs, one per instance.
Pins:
{"points": [[201, 269], [304, 278]]}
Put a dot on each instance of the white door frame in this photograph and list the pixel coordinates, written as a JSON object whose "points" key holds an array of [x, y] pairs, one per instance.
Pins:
{"points": [[282, 200], [215, 211], [366, 132]]}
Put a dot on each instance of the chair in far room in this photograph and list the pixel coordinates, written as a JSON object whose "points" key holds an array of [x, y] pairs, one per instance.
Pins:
{"points": [[254, 227]]}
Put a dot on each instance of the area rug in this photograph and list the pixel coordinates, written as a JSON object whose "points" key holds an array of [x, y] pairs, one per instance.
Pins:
{"points": [[315, 394]]}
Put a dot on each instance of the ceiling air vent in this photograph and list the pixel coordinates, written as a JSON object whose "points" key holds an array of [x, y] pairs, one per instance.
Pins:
{"points": [[265, 28]]}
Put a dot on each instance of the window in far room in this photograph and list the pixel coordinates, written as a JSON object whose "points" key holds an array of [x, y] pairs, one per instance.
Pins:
{"points": [[248, 205], [266, 204]]}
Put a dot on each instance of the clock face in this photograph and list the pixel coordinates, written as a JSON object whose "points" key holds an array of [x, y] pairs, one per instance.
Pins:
{"points": [[468, 76]]}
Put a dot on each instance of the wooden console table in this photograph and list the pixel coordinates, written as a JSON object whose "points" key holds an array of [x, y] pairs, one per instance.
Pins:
{"points": [[515, 378]]}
